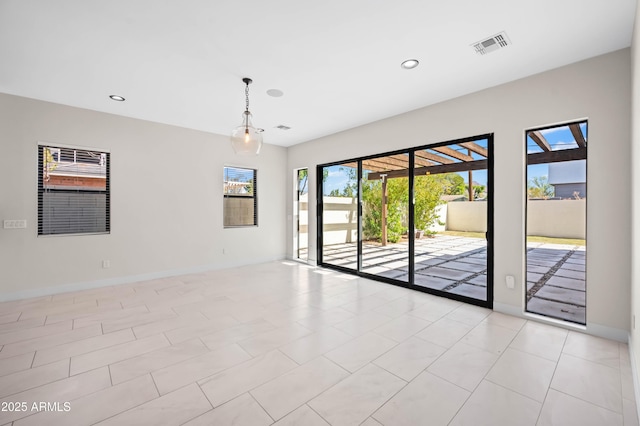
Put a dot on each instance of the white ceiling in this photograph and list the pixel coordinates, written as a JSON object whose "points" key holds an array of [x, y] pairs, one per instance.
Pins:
{"points": [[181, 62]]}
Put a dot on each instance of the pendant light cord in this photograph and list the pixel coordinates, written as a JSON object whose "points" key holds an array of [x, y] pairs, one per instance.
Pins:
{"points": [[246, 119], [246, 94]]}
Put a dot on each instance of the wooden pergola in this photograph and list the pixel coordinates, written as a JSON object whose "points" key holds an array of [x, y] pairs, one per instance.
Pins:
{"points": [[460, 157], [548, 155]]}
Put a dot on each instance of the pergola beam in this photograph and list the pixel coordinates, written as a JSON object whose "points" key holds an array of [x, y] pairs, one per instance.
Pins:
{"points": [[474, 147], [434, 170], [539, 139], [433, 157], [385, 164], [577, 135], [557, 156], [453, 153]]}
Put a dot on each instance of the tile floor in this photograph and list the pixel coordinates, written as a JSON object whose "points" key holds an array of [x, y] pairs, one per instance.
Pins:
{"points": [[286, 344]]}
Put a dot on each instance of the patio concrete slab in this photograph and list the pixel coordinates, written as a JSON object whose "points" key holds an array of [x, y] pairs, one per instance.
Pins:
{"points": [[580, 267], [562, 295], [534, 277], [450, 274], [480, 280], [463, 266], [537, 269], [425, 263], [432, 282], [569, 273], [557, 310], [560, 290], [542, 263], [475, 260], [569, 283], [555, 273], [469, 290]]}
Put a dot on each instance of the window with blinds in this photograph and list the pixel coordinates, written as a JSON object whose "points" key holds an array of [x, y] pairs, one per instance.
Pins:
{"points": [[73, 191], [240, 197]]}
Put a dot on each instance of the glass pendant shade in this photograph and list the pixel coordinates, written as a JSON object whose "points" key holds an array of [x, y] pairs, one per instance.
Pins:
{"points": [[246, 139]]}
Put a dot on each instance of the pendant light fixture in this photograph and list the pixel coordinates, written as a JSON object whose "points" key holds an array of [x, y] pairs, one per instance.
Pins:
{"points": [[246, 139]]}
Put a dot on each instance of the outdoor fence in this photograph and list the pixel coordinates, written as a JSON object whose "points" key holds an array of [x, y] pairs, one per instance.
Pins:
{"points": [[547, 218]]}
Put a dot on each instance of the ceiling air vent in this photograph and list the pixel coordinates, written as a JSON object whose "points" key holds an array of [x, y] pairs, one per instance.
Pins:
{"points": [[283, 127], [492, 43]]}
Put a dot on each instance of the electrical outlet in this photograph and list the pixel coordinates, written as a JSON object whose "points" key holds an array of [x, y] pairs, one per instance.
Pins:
{"points": [[511, 281], [15, 224], [106, 264]]}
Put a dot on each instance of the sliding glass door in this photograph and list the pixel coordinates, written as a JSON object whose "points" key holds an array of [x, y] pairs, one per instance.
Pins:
{"points": [[451, 192], [418, 218], [385, 216], [339, 235]]}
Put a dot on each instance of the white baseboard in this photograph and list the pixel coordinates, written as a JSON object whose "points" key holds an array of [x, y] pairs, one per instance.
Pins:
{"points": [[593, 329], [634, 373], [88, 285]]}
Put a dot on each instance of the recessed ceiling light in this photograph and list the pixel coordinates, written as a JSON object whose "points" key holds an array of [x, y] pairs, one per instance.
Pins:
{"points": [[410, 64], [117, 98], [275, 93]]}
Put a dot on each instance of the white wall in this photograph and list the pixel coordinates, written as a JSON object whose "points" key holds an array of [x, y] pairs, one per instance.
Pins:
{"points": [[340, 220], [634, 160], [558, 218], [166, 197], [597, 89], [467, 216]]}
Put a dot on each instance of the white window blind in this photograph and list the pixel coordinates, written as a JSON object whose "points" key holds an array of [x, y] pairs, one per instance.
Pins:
{"points": [[73, 191]]}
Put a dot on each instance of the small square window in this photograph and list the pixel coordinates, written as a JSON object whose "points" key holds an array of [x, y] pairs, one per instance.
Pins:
{"points": [[240, 197]]}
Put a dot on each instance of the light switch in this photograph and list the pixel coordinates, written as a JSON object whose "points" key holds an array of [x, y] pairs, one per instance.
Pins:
{"points": [[15, 224]]}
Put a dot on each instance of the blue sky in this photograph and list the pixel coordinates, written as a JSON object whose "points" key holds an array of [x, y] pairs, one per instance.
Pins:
{"points": [[338, 178]]}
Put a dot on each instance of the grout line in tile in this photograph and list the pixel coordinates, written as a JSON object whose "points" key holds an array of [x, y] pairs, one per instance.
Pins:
{"points": [[555, 368], [587, 402], [156, 385], [257, 402], [111, 377], [320, 415], [284, 354]]}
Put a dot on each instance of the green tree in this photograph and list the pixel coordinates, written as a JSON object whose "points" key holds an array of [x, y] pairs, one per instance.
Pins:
{"points": [[303, 179], [539, 187], [428, 190], [479, 191], [397, 197], [453, 184]]}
